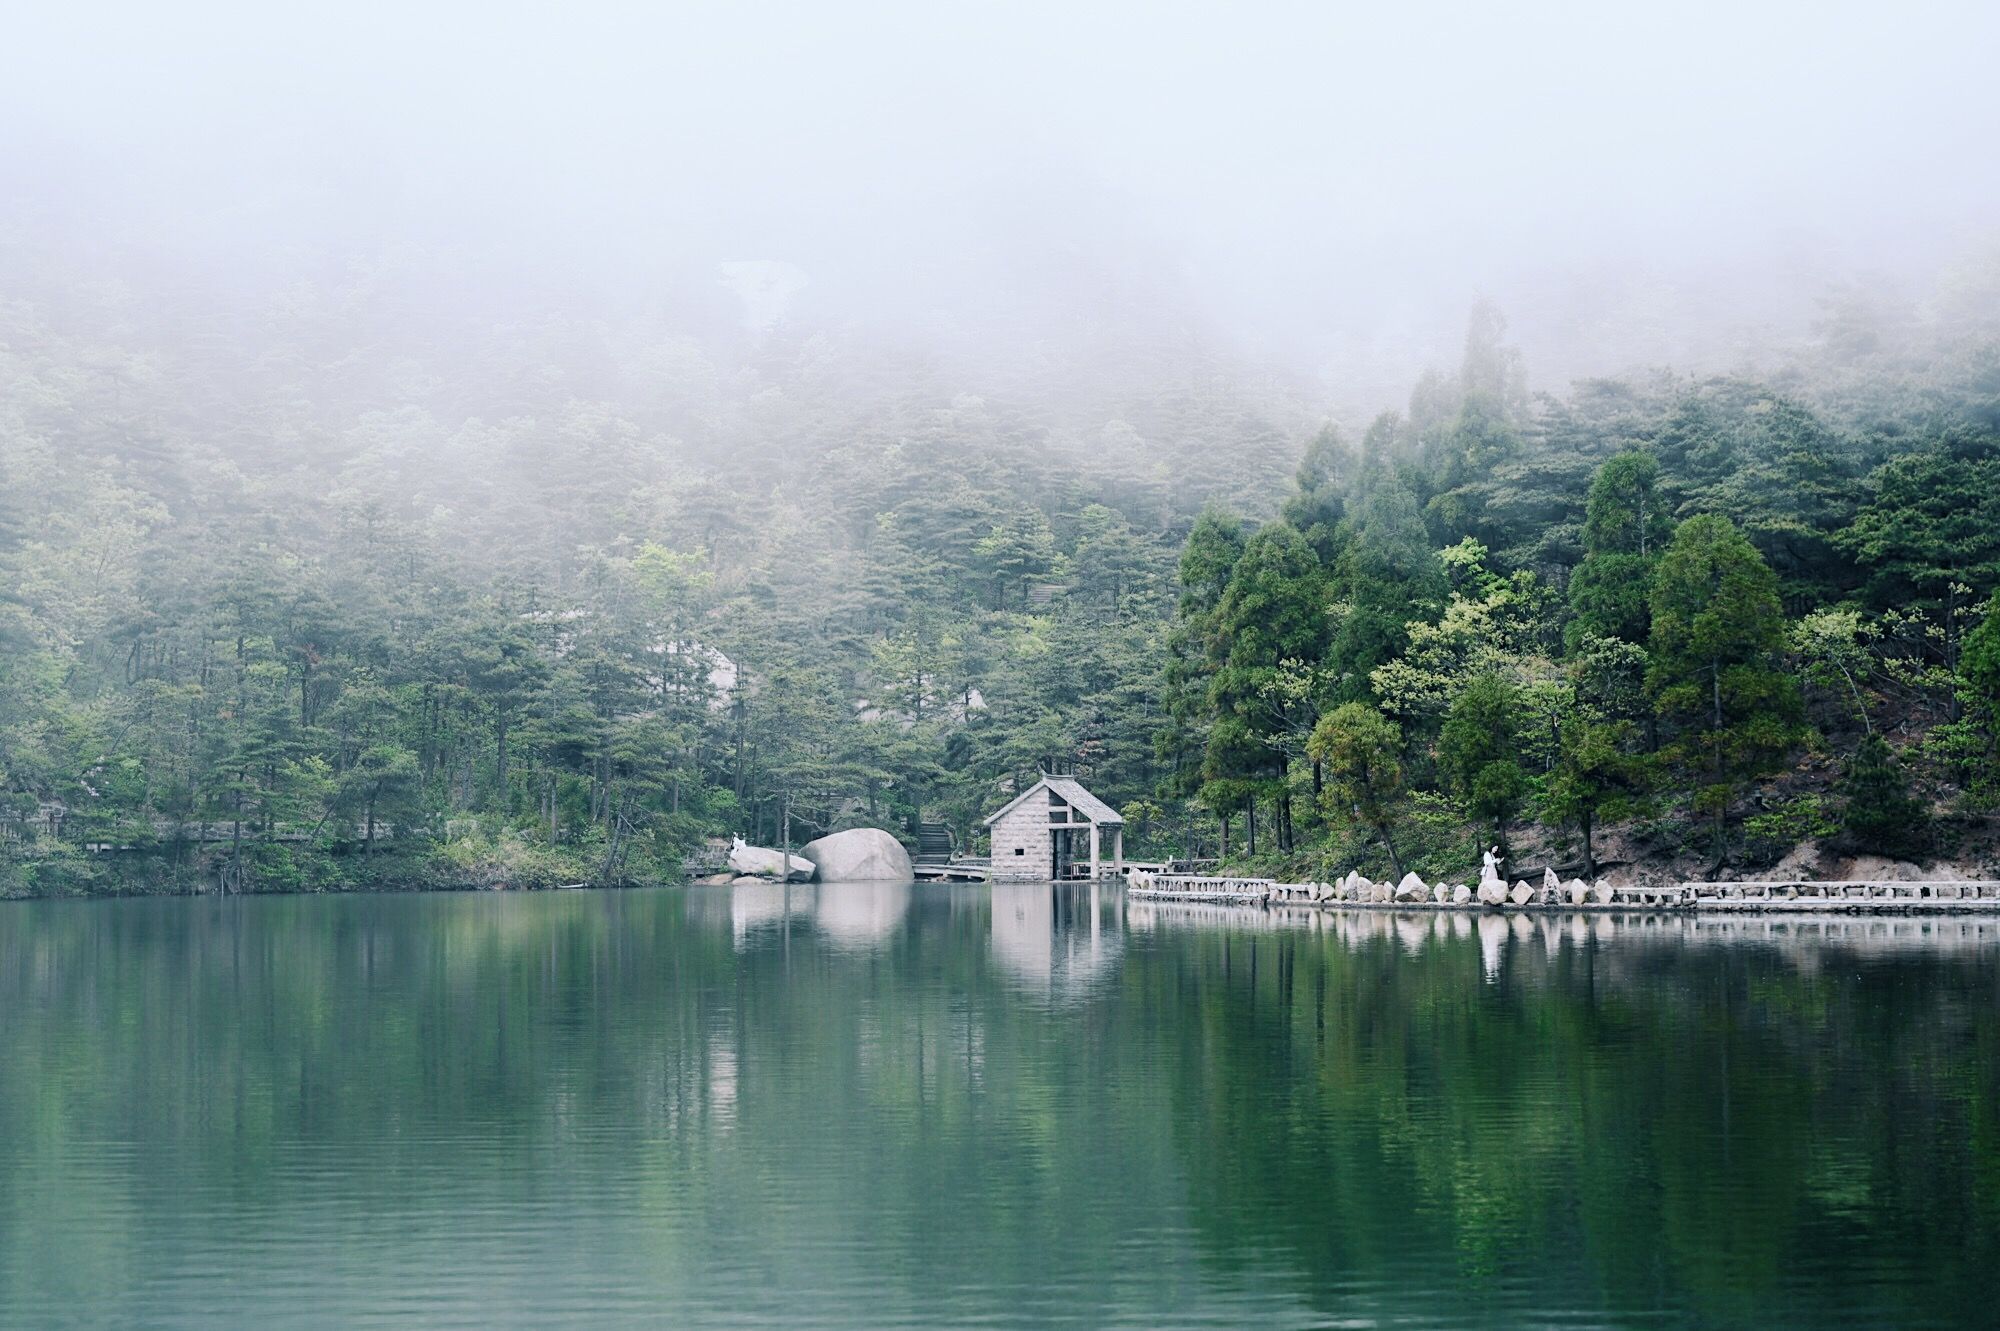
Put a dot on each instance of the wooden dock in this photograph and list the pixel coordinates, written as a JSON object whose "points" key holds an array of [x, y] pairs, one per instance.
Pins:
{"points": [[1191, 887], [965, 870]]}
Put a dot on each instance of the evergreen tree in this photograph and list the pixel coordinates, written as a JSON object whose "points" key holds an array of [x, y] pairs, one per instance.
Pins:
{"points": [[1478, 748], [1880, 814], [1360, 751], [1272, 612], [1208, 561], [1388, 576], [1319, 499], [1595, 773], [1625, 529], [1717, 630]]}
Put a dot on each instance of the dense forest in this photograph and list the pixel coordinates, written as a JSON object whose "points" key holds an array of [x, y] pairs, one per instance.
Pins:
{"points": [[327, 590]]}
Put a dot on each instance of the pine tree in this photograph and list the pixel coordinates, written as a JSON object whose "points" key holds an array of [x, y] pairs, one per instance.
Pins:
{"points": [[1387, 576], [1273, 612], [1625, 530], [1717, 630], [1880, 814]]}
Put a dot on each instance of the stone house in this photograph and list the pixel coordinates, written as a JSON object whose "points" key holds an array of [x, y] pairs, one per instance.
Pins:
{"points": [[1041, 834]]}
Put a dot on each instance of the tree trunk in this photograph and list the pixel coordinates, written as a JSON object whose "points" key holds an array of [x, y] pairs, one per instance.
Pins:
{"points": [[236, 836], [1389, 844], [1867, 726], [614, 846], [1586, 823]]}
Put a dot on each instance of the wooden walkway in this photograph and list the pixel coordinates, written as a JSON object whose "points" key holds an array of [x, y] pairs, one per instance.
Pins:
{"points": [[966, 870], [1192, 887]]}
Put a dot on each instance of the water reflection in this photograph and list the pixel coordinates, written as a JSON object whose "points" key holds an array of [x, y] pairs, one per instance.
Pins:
{"points": [[856, 917], [1058, 942], [861, 917], [865, 1105], [1804, 939]]}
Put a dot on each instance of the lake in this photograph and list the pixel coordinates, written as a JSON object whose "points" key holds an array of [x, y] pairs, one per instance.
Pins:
{"points": [[885, 1106]]}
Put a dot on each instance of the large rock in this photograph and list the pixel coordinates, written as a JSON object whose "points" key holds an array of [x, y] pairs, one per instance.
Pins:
{"points": [[1460, 894], [763, 862], [863, 854], [1412, 889], [1522, 893], [1549, 879], [1492, 892], [1578, 890]]}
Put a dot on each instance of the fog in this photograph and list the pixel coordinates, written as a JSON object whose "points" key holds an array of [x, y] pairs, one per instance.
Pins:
{"points": [[1320, 190]]}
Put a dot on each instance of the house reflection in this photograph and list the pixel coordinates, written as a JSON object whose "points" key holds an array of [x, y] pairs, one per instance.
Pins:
{"points": [[1058, 940]]}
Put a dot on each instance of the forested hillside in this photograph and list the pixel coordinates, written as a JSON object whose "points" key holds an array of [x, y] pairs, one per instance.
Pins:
{"points": [[324, 590], [330, 590], [1725, 620]]}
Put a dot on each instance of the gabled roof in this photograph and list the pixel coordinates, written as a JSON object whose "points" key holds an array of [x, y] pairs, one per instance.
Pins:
{"points": [[1071, 793]]}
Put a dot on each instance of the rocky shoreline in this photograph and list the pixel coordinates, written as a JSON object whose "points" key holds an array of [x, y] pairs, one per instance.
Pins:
{"points": [[1357, 892]]}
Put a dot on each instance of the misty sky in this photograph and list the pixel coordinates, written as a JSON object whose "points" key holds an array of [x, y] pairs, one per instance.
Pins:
{"points": [[1326, 186]]}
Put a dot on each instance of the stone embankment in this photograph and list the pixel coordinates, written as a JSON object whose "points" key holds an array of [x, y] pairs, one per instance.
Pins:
{"points": [[1354, 892]]}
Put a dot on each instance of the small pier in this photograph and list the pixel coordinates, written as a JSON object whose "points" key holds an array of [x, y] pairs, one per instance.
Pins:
{"points": [[956, 870], [1190, 887]]}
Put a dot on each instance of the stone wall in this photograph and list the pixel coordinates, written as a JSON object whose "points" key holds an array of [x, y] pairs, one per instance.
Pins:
{"points": [[1026, 830]]}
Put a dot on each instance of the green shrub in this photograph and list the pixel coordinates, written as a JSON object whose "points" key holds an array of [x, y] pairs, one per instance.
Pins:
{"points": [[1769, 836]]}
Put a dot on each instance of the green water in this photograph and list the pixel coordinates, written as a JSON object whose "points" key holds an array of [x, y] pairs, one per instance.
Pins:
{"points": [[931, 1106]]}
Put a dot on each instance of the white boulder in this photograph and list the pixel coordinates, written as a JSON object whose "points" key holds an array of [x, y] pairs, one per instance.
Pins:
{"points": [[1602, 894], [1522, 893], [1460, 894], [863, 854], [1412, 889], [1549, 879], [763, 862], [1440, 894], [1492, 892], [1577, 890]]}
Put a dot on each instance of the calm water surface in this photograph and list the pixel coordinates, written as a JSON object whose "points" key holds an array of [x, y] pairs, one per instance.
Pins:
{"points": [[893, 1106]]}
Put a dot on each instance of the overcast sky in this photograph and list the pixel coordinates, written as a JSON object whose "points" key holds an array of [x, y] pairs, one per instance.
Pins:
{"points": [[1322, 184]]}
